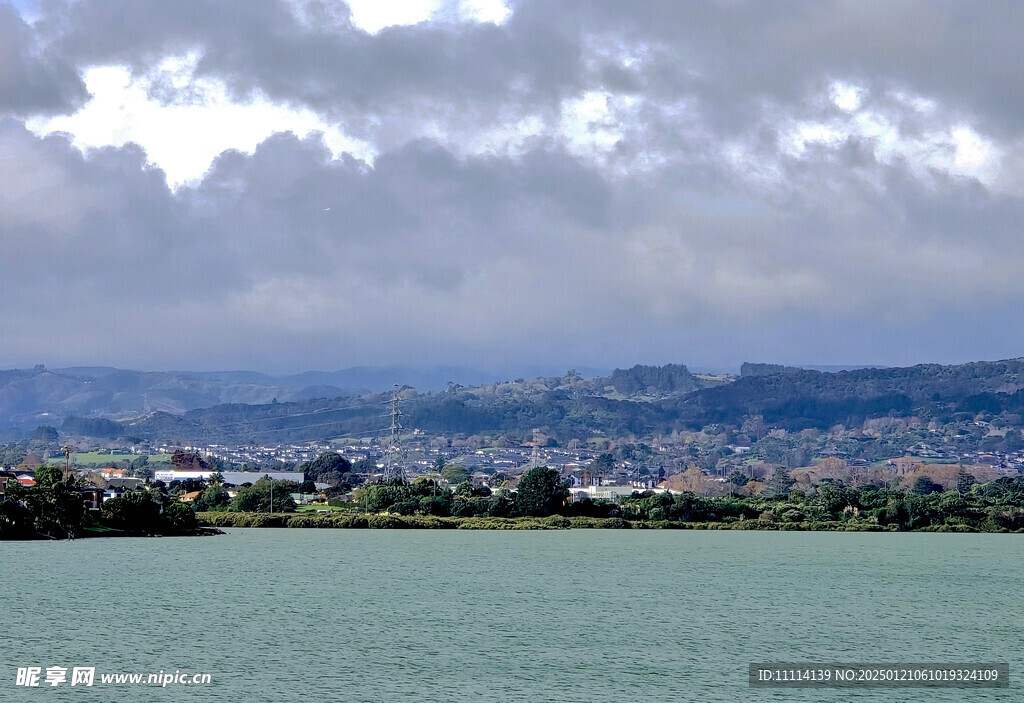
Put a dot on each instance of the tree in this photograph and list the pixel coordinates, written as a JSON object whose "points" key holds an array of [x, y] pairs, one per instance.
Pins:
{"points": [[257, 497], [440, 505], [738, 478], [541, 492], [365, 466], [15, 518], [48, 476], [781, 482], [213, 497], [964, 481], [59, 508], [135, 511], [187, 461], [454, 474], [330, 466], [383, 497], [181, 518], [923, 485], [834, 497], [603, 464]]}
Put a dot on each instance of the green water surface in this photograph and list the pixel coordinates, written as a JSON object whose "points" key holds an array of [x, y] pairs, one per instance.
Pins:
{"points": [[584, 615]]}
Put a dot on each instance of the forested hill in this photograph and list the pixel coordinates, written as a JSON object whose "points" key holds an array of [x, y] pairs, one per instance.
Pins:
{"points": [[571, 407], [749, 369], [796, 398], [641, 401], [656, 380]]}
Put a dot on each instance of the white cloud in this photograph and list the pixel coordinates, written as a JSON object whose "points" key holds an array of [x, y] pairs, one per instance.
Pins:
{"points": [[185, 135], [947, 145], [588, 123], [374, 15], [847, 97]]}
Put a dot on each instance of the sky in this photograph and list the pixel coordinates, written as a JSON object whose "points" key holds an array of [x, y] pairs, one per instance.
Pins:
{"points": [[285, 185]]}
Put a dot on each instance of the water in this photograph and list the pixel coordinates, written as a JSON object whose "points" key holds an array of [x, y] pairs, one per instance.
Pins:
{"points": [[585, 615]]}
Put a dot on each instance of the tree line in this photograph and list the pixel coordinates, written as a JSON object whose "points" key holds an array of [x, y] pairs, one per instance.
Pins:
{"points": [[55, 508]]}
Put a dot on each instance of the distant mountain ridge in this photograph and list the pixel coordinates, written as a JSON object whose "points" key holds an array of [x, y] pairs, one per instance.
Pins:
{"points": [[640, 401], [569, 406], [29, 397], [754, 369], [671, 378]]}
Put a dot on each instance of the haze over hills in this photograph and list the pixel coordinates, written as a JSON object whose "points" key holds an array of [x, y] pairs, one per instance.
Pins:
{"points": [[29, 397]]}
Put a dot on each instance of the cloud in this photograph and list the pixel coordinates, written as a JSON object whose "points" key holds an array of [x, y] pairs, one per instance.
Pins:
{"points": [[182, 123], [32, 80], [292, 252], [582, 183]]}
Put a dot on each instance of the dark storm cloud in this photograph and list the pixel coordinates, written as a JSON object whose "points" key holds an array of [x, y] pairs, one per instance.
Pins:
{"points": [[709, 203], [290, 251], [730, 54], [330, 254], [32, 80], [329, 65]]}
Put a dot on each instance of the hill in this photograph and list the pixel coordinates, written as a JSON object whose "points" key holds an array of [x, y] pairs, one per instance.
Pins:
{"points": [[640, 401], [30, 397]]}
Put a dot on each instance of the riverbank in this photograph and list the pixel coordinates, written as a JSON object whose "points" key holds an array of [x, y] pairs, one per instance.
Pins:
{"points": [[422, 522], [102, 531]]}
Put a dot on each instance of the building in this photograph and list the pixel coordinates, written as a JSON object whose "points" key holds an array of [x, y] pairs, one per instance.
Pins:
{"points": [[607, 492], [234, 478], [125, 484], [93, 496], [5, 478], [169, 475]]}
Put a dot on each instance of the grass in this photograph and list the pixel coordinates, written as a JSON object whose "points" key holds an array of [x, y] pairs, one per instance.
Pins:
{"points": [[314, 508], [555, 522]]}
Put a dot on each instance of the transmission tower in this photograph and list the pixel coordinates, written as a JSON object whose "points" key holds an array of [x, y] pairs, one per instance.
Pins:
{"points": [[535, 455], [393, 469]]}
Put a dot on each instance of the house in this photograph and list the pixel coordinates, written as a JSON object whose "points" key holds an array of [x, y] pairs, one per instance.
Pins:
{"points": [[26, 480], [578, 494], [92, 496], [233, 478], [608, 492], [111, 472], [125, 484], [5, 478], [189, 497]]}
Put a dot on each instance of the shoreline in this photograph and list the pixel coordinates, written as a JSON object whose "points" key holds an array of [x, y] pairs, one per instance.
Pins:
{"points": [[384, 521]]}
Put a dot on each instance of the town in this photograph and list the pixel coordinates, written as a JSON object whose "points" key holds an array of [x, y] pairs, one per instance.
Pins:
{"points": [[715, 461]]}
